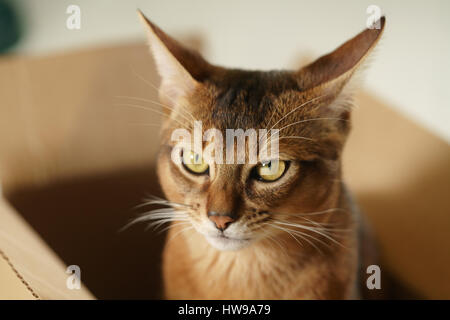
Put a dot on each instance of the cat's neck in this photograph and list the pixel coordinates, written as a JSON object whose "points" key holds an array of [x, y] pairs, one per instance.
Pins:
{"points": [[237, 274]]}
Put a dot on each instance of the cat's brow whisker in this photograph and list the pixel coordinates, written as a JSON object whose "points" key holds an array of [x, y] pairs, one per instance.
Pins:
{"points": [[273, 114], [156, 88], [162, 105], [296, 108], [151, 109], [150, 84], [157, 125], [296, 137], [307, 120]]}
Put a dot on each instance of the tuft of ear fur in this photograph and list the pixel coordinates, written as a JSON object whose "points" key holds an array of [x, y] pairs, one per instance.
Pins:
{"points": [[181, 69], [337, 74]]}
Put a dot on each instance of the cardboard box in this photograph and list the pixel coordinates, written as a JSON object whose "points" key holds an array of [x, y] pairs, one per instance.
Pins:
{"points": [[77, 153]]}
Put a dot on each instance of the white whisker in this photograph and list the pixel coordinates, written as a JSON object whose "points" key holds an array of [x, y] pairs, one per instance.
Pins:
{"points": [[307, 120], [150, 109], [162, 105], [303, 104]]}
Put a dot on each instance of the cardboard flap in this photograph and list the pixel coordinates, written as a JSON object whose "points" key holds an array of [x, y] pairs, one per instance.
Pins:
{"points": [[28, 268]]}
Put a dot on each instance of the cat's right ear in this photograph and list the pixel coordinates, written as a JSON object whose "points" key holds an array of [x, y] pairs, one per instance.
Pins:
{"points": [[181, 69]]}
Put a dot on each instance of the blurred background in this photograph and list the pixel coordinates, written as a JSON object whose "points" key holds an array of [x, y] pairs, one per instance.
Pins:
{"points": [[410, 71]]}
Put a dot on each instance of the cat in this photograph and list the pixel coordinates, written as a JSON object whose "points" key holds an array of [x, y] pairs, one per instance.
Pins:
{"points": [[237, 231]]}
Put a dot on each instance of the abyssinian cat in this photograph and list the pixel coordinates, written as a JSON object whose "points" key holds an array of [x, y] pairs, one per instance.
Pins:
{"points": [[239, 231]]}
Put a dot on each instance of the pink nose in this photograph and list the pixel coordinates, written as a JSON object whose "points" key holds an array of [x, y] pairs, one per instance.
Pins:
{"points": [[222, 221]]}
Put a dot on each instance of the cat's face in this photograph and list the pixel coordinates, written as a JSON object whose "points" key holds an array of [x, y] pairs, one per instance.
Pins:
{"points": [[308, 167], [234, 204]]}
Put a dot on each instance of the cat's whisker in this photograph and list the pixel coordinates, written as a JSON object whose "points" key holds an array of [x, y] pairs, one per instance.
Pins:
{"points": [[328, 226], [162, 105], [271, 117], [162, 212], [150, 109], [296, 137], [157, 125], [172, 225], [310, 213], [148, 82], [157, 90], [288, 231], [312, 237], [312, 229], [160, 216], [169, 204], [157, 219], [300, 234], [304, 236], [298, 107], [151, 217], [270, 237], [152, 199], [312, 119], [278, 242], [157, 224]]}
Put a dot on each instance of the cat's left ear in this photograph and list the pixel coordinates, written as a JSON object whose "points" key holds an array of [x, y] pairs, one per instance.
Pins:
{"points": [[181, 69], [331, 74]]}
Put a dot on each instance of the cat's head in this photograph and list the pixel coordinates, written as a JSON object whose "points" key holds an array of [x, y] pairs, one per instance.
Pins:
{"points": [[236, 204]]}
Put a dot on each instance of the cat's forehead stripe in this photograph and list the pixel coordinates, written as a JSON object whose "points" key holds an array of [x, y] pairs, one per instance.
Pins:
{"points": [[244, 98]]}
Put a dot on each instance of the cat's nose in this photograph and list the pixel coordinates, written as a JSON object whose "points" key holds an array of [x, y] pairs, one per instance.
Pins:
{"points": [[221, 220]]}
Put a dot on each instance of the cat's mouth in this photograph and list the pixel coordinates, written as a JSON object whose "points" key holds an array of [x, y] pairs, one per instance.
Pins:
{"points": [[223, 242]]}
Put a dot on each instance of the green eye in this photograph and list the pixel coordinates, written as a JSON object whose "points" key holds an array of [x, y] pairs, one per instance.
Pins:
{"points": [[271, 171], [193, 162]]}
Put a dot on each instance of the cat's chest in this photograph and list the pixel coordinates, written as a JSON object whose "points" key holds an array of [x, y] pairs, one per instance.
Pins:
{"points": [[245, 277], [201, 272]]}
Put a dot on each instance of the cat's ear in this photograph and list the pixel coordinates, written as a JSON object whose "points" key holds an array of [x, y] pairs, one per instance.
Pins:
{"points": [[332, 74], [181, 69]]}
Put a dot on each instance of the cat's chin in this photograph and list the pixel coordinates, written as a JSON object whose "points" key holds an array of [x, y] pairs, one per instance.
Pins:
{"points": [[227, 244]]}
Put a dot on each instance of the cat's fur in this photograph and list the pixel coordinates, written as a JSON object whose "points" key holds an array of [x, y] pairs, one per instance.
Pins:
{"points": [[299, 263]]}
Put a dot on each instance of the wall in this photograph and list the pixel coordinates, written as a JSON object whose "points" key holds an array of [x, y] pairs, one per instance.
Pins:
{"points": [[410, 70]]}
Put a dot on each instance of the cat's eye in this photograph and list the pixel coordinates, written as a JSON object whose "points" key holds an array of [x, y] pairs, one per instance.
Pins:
{"points": [[271, 170], [193, 162]]}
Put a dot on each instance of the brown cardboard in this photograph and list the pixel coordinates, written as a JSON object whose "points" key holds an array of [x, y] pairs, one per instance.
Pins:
{"points": [[28, 268], [73, 163]]}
